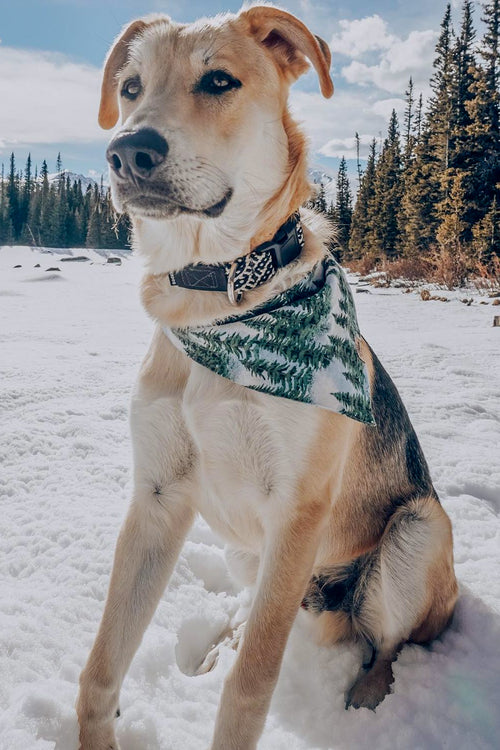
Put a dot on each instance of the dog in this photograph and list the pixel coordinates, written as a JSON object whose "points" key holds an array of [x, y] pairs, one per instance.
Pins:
{"points": [[322, 509]]}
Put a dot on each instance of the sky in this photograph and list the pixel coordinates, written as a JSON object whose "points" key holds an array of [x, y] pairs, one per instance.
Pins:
{"points": [[51, 53]]}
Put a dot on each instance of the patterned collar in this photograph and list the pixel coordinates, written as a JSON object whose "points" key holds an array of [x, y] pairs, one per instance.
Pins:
{"points": [[301, 345], [248, 271]]}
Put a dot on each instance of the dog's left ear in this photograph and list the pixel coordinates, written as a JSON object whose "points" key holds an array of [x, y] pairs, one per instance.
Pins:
{"points": [[290, 42], [116, 59]]}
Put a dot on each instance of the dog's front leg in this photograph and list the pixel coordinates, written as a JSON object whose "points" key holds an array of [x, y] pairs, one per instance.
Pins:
{"points": [[284, 575], [147, 549]]}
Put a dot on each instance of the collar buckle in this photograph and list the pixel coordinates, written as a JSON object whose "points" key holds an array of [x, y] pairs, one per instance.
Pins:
{"points": [[234, 295], [248, 271]]}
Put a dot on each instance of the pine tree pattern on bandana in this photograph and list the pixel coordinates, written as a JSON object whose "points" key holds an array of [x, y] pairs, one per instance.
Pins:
{"points": [[301, 345]]}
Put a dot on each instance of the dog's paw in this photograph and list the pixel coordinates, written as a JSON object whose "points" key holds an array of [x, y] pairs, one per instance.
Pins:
{"points": [[98, 739], [370, 687], [228, 639]]}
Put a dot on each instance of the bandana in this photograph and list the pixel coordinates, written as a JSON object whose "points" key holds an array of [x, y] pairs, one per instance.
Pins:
{"points": [[300, 345]]}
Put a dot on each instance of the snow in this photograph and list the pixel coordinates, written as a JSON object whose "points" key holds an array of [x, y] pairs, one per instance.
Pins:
{"points": [[70, 344]]}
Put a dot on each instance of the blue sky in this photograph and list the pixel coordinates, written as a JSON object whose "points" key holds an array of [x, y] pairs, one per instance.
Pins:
{"points": [[51, 52]]}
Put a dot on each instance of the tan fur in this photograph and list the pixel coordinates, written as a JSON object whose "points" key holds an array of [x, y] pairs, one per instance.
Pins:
{"points": [[296, 189], [298, 493], [249, 686], [108, 111], [441, 585], [333, 627], [164, 368], [292, 41]]}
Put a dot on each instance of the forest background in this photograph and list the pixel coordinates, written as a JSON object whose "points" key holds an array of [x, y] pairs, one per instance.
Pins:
{"points": [[427, 200]]}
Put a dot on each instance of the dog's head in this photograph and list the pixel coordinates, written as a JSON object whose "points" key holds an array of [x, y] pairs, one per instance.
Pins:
{"points": [[205, 130]]}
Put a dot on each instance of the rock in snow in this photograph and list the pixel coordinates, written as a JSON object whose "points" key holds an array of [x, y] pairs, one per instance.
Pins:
{"points": [[69, 355]]}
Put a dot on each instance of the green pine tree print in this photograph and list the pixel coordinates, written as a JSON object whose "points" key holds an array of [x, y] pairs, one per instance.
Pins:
{"points": [[300, 346]]}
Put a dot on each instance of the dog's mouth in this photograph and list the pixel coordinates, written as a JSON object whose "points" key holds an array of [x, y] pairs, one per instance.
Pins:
{"points": [[151, 205]]}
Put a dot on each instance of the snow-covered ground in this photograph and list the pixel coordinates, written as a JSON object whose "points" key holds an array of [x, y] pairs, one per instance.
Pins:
{"points": [[70, 345]]}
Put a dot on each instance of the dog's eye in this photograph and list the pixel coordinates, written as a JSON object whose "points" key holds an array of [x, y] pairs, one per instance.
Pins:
{"points": [[131, 88], [217, 82]]}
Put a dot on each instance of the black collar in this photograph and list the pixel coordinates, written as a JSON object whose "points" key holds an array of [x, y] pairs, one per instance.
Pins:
{"points": [[248, 271]]}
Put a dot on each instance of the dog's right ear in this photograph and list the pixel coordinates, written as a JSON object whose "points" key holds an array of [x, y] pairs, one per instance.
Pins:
{"points": [[116, 59], [290, 42]]}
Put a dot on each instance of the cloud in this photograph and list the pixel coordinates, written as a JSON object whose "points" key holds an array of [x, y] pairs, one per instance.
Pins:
{"points": [[47, 98], [361, 36], [383, 107], [339, 147], [412, 56], [332, 123]]}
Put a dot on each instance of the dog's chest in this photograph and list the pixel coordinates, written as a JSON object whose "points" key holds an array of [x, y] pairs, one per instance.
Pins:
{"points": [[253, 450]]}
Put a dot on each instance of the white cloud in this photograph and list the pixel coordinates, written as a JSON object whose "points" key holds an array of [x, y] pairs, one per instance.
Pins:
{"points": [[383, 107], [323, 118], [339, 147], [362, 35], [332, 123], [47, 98], [412, 56]]}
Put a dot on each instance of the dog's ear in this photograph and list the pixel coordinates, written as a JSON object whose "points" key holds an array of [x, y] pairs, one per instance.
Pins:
{"points": [[116, 59], [290, 42]]}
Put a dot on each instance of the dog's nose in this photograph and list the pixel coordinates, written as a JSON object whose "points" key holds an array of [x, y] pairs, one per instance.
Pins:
{"points": [[136, 153]]}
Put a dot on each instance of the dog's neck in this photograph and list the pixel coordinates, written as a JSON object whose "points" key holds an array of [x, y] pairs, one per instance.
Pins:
{"points": [[187, 239]]}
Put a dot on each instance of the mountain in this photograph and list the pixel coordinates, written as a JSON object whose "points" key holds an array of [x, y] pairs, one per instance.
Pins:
{"points": [[74, 177], [318, 176]]}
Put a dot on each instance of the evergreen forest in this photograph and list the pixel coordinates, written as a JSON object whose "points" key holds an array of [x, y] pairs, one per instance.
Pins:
{"points": [[430, 192], [428, 195], [58, 212]]}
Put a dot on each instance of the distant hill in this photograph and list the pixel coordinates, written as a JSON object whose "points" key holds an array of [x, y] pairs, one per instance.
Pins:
{"points": [[74, 177], [319, 177]]}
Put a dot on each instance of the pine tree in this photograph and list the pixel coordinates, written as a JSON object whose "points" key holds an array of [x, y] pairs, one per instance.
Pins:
{"points": [[409, 116], [463, 61], [438, 146], [25, 199], [452, 211], [342, 213], [59, 169], [32, 227], [388, 193], [3, 207], [123, 229], [62, 211], [320, 200], [361, 240], [483, 162], [358, 160], [94, 231], [48, 233], [486, 235], [419, 119], [14, 217], [490, 52], [416, 217], [439, 120]]}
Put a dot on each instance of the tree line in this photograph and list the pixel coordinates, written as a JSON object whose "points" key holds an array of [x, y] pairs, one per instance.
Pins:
{"points": [[430, 189], [433, 187], [57, 213]]}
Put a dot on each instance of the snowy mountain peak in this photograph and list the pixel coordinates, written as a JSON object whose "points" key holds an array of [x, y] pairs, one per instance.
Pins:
{"points": [[74, 177]]}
